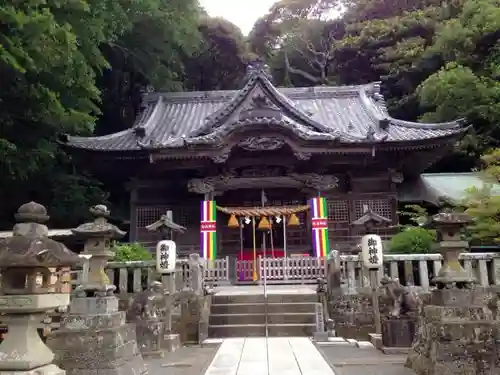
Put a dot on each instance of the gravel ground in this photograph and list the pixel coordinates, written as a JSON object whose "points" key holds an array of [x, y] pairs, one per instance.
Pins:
{"points": [[189, 360], [355, 361]]}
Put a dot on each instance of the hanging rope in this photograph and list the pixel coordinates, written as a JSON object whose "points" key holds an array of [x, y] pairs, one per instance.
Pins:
{"points": [[262, 211]]}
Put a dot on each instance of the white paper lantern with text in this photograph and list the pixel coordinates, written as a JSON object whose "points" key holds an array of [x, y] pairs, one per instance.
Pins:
{"points": [[166, 256], [371, 251]]}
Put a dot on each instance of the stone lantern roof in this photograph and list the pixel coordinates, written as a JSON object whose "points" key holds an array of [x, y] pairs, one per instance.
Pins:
{"points": [[30, 245], [454, 219], [100, 227]]}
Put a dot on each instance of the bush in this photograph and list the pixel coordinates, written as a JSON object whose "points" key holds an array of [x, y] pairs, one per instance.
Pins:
{"points": [[130, 251], [413, 240]]}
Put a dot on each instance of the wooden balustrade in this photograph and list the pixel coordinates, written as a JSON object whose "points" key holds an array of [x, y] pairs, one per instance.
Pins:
{"points": [[411, 269], [419, 269]]}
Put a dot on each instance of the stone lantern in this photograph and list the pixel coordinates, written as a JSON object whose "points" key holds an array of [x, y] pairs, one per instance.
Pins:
{"points": [[93, 337], [27, 261], [98, 234], [457, 329], [449, 226]]}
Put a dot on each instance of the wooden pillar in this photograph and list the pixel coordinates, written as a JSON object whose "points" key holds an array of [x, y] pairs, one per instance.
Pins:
{"points": [[133, 213]]}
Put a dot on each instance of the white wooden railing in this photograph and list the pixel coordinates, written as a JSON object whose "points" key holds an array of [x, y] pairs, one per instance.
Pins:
{"points": [[411, 269], [419, 269]]}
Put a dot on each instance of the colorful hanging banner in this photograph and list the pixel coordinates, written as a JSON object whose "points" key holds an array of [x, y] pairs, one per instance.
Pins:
{"points": [[321, 245], [208, 230]]}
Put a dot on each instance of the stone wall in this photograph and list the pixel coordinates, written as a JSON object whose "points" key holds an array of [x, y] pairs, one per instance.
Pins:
{"points": [[353, 312], [353, 315]]}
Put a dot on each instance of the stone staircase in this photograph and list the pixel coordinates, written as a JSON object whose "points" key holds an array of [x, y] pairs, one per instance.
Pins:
{"points": [[246, 315]]}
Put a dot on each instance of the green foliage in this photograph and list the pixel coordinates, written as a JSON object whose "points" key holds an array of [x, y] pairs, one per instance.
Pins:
{"points": [[56, 58], [483, 206], [467, 85], [412, 240], [438, 61], [223, 53], [416, 214], [130, 252]]}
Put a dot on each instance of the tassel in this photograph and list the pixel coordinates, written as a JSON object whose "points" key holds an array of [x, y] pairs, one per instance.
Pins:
{"points": [[264, 223], [293, 220], [233, 222]]}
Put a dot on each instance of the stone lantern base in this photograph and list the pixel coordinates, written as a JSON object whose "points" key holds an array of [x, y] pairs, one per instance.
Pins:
{"points": [[94, 339], [398, 332], [456, 335], [154, 340]]}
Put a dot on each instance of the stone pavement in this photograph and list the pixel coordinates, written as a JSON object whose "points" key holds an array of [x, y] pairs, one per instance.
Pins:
{"points": [[287, 356], [188, 360], [274, 356], [348, 360]]}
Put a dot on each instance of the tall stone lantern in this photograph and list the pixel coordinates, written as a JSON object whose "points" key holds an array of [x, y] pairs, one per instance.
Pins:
{"points": [[449, 227], [457, 331], [27, 261], [93, 337], [99, 235]]}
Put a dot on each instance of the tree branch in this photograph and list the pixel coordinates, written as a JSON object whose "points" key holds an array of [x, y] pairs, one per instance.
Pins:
{"points": [[300, 72]]}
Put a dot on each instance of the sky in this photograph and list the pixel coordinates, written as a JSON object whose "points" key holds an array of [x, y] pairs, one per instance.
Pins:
{"points": [[243, 13]]}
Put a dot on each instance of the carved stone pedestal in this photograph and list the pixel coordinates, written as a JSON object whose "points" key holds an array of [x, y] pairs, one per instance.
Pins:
{"points": [[24, 351], [94, 339], [398, 332], [456, 335], [153, 338], [195, 314]]}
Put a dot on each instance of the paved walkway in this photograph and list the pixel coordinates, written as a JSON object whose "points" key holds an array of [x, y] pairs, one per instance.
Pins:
{"points": [[188, 360], [347, 360], [274, 356]]}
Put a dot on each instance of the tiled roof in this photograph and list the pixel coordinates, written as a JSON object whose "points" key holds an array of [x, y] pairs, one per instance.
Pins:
{"points": [[437, 188], [347, 114]]}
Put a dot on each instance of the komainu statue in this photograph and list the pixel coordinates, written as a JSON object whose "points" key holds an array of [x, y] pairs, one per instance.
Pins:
{"points": [[150, 304], [402, 300]]}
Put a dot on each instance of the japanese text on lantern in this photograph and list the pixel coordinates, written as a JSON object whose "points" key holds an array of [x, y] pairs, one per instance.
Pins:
{"points": [[371, 251], [166, 255]]}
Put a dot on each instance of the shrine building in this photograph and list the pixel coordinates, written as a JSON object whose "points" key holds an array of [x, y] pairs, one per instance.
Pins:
{"points": [[259, 155]]}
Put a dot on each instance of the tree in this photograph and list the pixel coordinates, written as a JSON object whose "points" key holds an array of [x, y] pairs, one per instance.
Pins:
{"points": [[220, 62], [296, 35], [467, 85], [483, 206], [151, 54], [50, 58]]}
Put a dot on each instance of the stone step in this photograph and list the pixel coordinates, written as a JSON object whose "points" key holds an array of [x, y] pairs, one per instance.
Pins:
{"points": [[259, 330], [260, 298], [273, 318], [260, 308]]}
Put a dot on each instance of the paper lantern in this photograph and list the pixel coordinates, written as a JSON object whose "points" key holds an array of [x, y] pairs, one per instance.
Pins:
{"points": [[233, 222], [371, 251], [166, 256]]}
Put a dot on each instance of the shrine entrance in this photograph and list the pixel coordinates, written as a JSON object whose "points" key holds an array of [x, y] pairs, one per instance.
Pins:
{"points": [[270, 223], [278, 238]]}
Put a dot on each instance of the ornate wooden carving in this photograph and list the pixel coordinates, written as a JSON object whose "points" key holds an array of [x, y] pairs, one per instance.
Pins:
{"points": [[221, 158], [264, 171], [302, 155], [259, 105], [261, 101], [396, 177], [261, 143], [316, 181], [270, 177], [201, 186]]}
